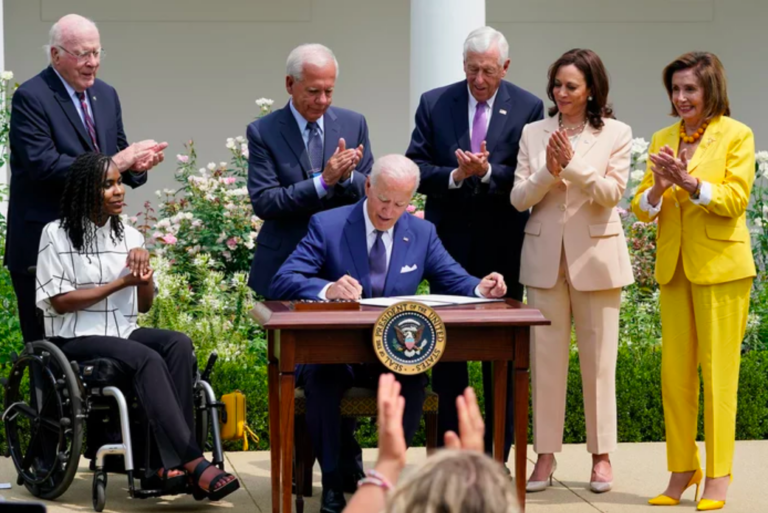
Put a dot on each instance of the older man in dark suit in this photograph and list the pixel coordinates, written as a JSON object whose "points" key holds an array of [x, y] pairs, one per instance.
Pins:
{"points": [[57, 115], [304, 158], [465, 143]]}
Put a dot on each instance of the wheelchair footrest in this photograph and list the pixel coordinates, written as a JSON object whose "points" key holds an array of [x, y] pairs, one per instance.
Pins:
{"points": [[149, 494]]}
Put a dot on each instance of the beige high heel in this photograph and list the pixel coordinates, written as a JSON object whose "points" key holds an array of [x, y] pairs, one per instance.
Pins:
{"points": [[539, 486]]}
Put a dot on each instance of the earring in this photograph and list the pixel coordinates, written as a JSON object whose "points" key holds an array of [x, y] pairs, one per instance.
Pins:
{"points": [[589, 98]]}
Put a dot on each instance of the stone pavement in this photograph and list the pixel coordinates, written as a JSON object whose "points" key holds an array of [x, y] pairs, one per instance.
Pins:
{"points": [[640, 471]]}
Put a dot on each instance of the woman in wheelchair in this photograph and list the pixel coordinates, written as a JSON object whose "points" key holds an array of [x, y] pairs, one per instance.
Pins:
{"points": [[93, 279]]}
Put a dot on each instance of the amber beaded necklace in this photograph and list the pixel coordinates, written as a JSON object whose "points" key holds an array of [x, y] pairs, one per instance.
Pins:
{"points": [[696, 135]]}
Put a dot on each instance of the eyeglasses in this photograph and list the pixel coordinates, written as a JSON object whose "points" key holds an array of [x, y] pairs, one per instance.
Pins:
{"points": [[83, 57]]}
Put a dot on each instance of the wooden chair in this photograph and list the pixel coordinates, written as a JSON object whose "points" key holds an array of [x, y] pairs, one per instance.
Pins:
{"points": [[357, 402]]}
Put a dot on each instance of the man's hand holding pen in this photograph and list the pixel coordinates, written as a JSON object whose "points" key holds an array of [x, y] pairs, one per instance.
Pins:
{"points": [[345, 288]]}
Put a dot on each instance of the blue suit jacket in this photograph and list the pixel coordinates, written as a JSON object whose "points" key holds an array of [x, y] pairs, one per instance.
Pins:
{"points": [[477, 223], [336, 245], [283, 193], [46, 136]]}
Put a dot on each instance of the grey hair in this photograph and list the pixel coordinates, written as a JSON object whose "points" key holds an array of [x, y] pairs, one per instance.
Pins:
{"points": [[455, 481], [314, 54], [55, 35], [485, 38], [397, 167]]}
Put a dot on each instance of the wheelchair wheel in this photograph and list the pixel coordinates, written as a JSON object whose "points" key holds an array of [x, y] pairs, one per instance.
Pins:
{"points": [[44, 419], [99, 491]]}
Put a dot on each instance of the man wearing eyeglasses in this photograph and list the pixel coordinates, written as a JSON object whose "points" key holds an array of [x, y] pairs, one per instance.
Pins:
{"points": [[57, 115]]}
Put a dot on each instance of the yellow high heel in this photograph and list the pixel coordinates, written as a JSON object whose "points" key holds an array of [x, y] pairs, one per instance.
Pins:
{"points": [[709, 504], [665, 500]]}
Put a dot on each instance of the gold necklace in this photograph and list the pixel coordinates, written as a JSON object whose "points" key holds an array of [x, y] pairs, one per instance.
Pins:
{"points": [[577, 128]]}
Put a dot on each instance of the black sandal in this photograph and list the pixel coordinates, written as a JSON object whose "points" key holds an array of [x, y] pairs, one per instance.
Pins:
{"points": [[213, 493], [168, 485]]}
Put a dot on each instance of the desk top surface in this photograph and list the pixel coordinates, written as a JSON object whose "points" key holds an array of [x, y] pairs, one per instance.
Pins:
{"points": [[281, 315]]}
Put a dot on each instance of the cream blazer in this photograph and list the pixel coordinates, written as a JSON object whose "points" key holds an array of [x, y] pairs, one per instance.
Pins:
{"points": [[576, 211]]}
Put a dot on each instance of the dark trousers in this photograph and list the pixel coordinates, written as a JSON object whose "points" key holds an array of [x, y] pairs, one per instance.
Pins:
{"points": [[333, 437], [24, 286], [162, 365]]}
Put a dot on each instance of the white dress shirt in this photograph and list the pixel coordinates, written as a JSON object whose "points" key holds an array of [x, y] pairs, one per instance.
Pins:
{"points": [[472, 109], [61, 269], [321, 192], [705, 196]]}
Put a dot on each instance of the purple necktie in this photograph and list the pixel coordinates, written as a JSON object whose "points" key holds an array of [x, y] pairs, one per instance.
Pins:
{"points": [[479, 126], [88, 120], [377, 261]]}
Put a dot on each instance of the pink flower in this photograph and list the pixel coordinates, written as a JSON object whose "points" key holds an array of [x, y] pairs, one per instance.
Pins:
{"points": [[622, 212], [169, 238], [410, 209], [157, 235], [232, 243], [183, 159], [229, 180], [419, 214]]}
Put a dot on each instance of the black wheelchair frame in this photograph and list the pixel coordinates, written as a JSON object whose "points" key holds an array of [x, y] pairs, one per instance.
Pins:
{"points": [[49, 398]]}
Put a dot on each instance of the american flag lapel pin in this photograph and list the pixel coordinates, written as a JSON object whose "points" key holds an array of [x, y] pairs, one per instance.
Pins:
{"points": [[405, 239], [502, 111], [94, 98]]}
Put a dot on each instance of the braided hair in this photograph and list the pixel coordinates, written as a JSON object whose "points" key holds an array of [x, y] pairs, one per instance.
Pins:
{"points": [[83, 201]]}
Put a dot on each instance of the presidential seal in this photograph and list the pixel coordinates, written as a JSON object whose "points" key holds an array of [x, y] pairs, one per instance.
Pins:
{"points": [[409, 338]]}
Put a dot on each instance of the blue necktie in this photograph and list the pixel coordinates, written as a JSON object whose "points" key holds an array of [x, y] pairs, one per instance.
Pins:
{"points": [[377, 261], [315, 149]]}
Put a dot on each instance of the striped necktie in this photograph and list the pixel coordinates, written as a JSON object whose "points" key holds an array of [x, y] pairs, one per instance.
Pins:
{"points": [[88, 120]]}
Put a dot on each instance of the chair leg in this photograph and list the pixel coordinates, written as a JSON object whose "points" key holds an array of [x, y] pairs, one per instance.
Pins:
{"points": [[430, 421], [300, 432]]}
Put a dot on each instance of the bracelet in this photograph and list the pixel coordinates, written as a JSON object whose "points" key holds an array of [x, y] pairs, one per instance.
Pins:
{"points": [[376, 479], [697, 192]]}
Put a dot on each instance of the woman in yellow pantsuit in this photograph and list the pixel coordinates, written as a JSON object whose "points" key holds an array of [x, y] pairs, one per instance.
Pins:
{"points": [[698, 183]]}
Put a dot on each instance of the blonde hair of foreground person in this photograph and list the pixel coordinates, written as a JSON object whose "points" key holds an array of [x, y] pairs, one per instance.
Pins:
{"points": [[455, 481]]}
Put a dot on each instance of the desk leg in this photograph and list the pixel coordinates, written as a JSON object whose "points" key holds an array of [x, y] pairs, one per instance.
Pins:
{"points": [[499, 407], [274, 422], [287, 385], [521, 364]]}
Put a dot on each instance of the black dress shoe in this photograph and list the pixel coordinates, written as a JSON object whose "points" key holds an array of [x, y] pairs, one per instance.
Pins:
{"points": [[350, 481], [333, 501]]}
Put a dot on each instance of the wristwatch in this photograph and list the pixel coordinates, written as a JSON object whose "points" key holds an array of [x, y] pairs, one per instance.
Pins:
{"points": [[695, 195]]}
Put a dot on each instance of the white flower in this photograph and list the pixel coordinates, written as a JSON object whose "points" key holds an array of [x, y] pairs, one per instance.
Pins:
{"points": [[163, 224], [211, 166], [230, 143], [169, 192], [188, 216], [223, 165], [249, 244], [240, 139], [6, 75], [264, 102], [244, 150], [761, 157], [197, 223], [639, 145], [637, 175], [203, 171], [159, 193]]}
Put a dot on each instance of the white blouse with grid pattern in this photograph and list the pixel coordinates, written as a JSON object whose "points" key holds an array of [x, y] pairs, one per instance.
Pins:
{"points": [[60, 269]]}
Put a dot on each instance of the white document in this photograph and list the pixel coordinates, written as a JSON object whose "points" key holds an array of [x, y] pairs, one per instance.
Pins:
{"points": [[432, 300]]}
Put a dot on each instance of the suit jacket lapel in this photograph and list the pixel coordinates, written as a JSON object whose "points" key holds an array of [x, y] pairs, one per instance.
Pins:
{"points": [[403, 240], [461, 118], [711, 135], [290, 131], [498, 120], [67, 105], [587, 140], [354, 236], [332, 130], [98, 119]]}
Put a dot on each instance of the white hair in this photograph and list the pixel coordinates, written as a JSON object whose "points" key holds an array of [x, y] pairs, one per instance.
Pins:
{"points": [[486, 38], [56, 34], [312, 54], [397, 167]]}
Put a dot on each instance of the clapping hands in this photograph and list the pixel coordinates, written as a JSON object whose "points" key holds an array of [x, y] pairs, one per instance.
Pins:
{"points": [[472, 164], [342, 163], [559, 152]]}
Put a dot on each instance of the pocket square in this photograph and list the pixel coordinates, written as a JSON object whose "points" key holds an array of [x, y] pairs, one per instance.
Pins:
{"points": [[408, 268]]}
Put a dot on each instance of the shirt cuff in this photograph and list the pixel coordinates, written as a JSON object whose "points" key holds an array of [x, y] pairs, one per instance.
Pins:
{"points": [[705, 195], [478, 294], [646, 206], [322, 292], [487, 177], [319, 187], [451, 183]]}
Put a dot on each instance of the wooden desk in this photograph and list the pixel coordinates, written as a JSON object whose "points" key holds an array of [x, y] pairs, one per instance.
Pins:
{"points": [[496, 332]]}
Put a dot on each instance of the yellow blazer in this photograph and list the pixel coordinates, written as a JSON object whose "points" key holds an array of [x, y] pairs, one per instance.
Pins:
{"points": [[576, 211], [714, 239]]}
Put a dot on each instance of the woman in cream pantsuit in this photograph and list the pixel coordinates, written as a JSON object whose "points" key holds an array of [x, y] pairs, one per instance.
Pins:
{"points": [[699, 179], [572, 171]]}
